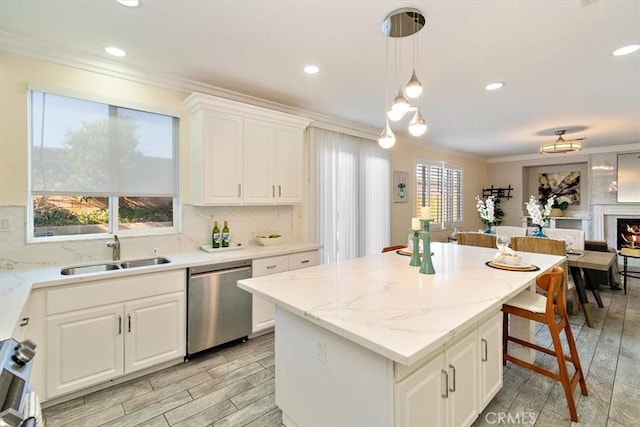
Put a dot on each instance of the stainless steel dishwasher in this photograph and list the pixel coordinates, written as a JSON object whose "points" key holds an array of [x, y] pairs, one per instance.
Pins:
{"points": [[217, 310]]}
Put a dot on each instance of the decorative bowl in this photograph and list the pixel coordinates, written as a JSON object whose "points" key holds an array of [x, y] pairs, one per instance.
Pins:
{"points": [[269, 239]]}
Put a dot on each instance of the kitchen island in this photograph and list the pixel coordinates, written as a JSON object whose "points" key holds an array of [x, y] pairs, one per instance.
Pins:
{"points": [[371, 341]]}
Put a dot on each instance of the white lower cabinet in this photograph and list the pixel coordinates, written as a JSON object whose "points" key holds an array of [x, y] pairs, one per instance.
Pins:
{"points": [[84, 348], [453, 387], [263, 313], [490, 359], [154, 331], [101, 330]]}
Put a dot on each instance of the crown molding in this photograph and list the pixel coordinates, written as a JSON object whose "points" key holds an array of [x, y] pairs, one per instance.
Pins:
{"points": [[593, 150]]}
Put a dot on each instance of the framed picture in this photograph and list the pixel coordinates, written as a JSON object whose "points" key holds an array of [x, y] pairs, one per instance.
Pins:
{"points": [[564, 185], [400, 194]]}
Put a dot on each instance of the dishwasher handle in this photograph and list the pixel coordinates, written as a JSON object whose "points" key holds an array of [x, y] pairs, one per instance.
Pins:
{"points": [[218, 272], [223, 266]]}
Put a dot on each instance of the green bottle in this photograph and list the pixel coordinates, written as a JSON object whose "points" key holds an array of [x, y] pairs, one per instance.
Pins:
{"points": [[225, 235], [215, 235]]}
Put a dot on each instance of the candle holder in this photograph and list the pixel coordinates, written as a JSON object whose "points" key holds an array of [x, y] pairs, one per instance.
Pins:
{"points": [[415, 255], [426, 267]]}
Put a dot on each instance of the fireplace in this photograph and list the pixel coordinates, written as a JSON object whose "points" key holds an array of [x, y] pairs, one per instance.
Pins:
{"points": [[628, 235]]}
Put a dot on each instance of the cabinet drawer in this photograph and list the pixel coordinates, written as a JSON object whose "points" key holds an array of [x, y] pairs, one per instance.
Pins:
{"points": [[264, 266], [303, 260], [110, 291]]}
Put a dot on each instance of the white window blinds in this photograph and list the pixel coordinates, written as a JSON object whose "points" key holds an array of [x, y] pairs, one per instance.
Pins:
{"points": [[88, 148], [353, 195], [439, 185]]}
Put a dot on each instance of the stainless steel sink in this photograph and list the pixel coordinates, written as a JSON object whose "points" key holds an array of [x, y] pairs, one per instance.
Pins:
{"points": [[102, 267], [144, 262], [96, 268]]}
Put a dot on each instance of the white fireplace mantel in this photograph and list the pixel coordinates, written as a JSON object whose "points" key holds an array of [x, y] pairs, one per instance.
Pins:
{"points": [[600, 211]]}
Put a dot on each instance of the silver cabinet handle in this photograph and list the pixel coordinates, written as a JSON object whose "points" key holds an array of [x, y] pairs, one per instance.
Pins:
{"points": [[485, 350], [239, 190], [119, 325], [129, 319], [273, 191], [453, 374], [279, 190], [272, 266], [446, 384]]}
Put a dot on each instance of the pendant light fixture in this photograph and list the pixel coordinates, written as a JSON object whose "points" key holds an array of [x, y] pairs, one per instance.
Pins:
{"points": [[561, 145], [387, 138], [398, 24]]}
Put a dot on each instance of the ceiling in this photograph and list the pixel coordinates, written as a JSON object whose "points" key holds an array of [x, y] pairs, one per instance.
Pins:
{"points": [[555, 58]]}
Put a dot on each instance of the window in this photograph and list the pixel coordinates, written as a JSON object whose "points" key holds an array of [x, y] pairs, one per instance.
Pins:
{"points": [[99, 169], [439, 185], [353, 195]]}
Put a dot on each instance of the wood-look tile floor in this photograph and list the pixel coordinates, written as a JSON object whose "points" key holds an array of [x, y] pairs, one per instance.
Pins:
{"points": [[235, 386]]}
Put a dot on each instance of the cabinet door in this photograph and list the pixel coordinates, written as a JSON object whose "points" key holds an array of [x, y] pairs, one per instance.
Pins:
{"points": [[289, 165], [490, 359], [419, 398], [263, 313], [221, 159], [463, 366], [259, 162], [84, 348], [154, 331]]}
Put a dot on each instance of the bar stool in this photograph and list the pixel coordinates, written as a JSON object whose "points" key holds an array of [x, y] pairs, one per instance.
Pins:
{"points": [[540, 308]]}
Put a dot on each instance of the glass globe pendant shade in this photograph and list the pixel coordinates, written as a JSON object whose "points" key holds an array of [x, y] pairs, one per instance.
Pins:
{"points": [[387, 138], [395, 115], [400, 103], [417, 125], [414, 87]]}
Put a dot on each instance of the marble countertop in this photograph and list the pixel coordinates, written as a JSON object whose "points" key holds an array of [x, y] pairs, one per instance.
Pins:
{"points": [[15, 286], [387, 306]]}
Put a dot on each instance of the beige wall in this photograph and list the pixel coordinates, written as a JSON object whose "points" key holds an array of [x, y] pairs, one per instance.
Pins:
{"points": [[522, 175], [17, 71], [404, 158]]}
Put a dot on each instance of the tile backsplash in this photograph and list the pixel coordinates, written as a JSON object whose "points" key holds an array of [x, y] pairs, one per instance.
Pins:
{"points": [[197, 222]]}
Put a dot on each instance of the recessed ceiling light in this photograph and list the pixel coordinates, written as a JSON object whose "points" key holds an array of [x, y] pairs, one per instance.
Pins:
{"points": [[625, 50], [311, 69], [494, 86], [129, 3], [115, 51]]}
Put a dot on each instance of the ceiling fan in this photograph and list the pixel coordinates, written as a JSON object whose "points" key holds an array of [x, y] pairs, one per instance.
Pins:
{"points": [[561, 145]]}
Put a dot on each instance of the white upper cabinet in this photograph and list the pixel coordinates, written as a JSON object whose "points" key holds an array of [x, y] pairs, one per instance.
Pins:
{"points": [[243, 154]]}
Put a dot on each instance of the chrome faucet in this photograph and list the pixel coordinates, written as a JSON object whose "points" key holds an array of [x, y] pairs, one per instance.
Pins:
{"points": [[115, 245]]}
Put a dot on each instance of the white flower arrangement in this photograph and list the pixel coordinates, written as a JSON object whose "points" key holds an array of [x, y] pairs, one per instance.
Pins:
{"points": [[539, 214], [486, 209]]}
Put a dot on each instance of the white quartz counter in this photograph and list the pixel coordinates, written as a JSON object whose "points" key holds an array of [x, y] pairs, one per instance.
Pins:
{"points": [[388, 307], [16, 286]]}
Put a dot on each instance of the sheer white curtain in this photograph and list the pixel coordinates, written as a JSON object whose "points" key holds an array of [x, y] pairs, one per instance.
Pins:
{"points": [[352, 195]]}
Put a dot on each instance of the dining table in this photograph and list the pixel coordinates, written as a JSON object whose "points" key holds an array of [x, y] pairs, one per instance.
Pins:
{"points": [[588, 260]]}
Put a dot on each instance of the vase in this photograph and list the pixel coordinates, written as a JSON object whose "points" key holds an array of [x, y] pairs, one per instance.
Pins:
{"points": [[539, 233], [488, 230]]}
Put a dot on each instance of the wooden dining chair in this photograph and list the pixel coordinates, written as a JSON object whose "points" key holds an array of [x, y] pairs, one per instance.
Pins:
{"points": [[477, 239], [543, 245], [393, 248], [551, 311]]}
